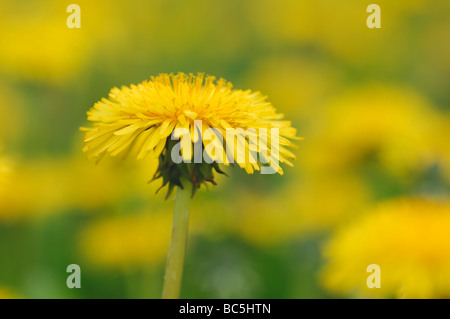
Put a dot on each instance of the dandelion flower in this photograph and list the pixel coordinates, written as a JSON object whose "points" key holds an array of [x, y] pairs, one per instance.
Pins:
{"points": [[209, 118], [139, 120], [408, 239]]}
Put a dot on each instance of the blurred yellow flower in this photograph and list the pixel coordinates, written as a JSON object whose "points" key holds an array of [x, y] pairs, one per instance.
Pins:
{"points": [[36, 44], [337, 27], [409, 239], [38, 189], [267, 220], [127, 240], [4, 170], [3, 167], [7, 293], [34, 190], [90, 186], [395, 125]]}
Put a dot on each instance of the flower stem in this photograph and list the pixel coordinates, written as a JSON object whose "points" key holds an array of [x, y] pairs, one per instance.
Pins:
{"points": [[175, 259]]}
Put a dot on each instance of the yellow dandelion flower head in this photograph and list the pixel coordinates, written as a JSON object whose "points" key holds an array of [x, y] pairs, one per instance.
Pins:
{"points": [[222, 122], [408, 239]]}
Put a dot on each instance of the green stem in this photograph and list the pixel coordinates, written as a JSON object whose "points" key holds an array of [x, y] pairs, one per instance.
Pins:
{"points": [[175, 259]]}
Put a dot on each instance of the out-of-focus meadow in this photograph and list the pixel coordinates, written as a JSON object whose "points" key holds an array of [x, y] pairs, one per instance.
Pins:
{"points": [[370, 184]]}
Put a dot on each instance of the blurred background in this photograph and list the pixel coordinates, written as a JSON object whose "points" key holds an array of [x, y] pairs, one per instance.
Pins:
{"points": [[370, 184]]}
